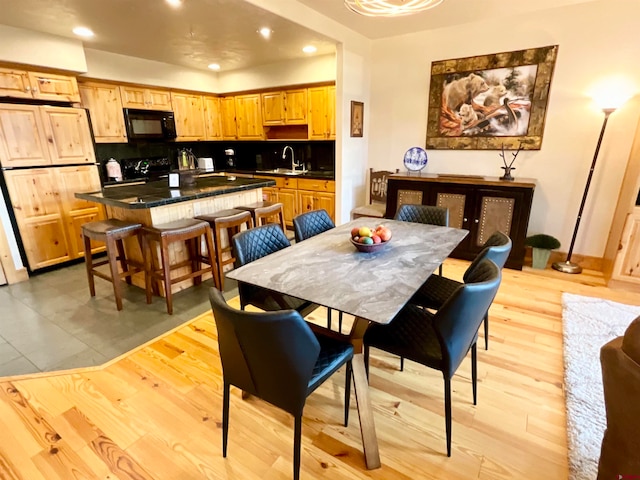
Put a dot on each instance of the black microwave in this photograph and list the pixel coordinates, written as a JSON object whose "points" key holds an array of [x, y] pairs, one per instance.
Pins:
{"points": [[149, 124]]}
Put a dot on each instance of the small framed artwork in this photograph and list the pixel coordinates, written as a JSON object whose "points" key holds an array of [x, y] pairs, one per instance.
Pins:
{"points": [[357, 118]]}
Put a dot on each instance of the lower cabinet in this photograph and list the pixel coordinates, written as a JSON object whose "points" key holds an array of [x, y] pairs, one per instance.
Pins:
{"points": [[300, 195], [481, 205], [49, 216]]}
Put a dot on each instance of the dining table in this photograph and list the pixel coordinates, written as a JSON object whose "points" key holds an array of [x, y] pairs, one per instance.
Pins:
{"points": [[328, 270]]}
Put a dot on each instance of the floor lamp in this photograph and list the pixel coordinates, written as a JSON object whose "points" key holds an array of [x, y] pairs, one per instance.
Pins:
{"points": [[568, 266]]}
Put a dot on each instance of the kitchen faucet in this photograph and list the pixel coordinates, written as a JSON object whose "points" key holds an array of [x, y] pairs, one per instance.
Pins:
{"points": [[293, 159]]}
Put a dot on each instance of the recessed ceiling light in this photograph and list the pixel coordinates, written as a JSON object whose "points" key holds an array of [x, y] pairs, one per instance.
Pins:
{"points": [[83, 32], [174, 3], [265, 32], [309, 49], [214, 66]]}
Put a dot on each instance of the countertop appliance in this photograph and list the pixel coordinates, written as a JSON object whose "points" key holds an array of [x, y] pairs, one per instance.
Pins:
{"points": [[149, 124], [206, 164]]}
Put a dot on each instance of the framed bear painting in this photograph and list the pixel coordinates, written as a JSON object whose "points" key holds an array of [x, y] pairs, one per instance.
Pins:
{"points": [[490, 102]]}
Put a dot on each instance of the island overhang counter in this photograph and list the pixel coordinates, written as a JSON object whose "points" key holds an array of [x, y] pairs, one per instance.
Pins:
{"points": [[155, 203]]}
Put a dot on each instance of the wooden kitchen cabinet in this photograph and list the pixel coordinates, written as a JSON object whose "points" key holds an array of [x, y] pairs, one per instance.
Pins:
{"points": [[314, 194], [41, 86], [212, 117], [285, 191], [105, 107], [228, 118], [321, 113], [481, 205], [188, 110], [32, 135], [68, 135], [48, 215], [23, 142], [145, 98], [249, 117], [286, 107], [626, 267]]}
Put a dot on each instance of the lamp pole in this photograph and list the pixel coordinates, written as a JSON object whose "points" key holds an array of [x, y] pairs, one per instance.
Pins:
{"points": [[568, 266]]}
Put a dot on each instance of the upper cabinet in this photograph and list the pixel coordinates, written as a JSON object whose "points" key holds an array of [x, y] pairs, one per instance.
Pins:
{"points": [[287, 107], [321, 113], [249, 117], [228, 118], [145, 98], [40, 86], [105, 106], [212, 117], [189, 115], [33, 135]]}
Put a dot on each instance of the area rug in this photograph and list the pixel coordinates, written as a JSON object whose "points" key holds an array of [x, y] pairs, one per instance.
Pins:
{"points": [[588, 323]]}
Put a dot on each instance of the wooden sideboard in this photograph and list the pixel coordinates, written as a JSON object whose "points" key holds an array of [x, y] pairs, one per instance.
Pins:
{"points": [[481, 205]]}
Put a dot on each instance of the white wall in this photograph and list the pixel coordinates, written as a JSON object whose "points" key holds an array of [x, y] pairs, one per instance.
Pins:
{"points": [[122, 68], [595, 39], [41, 49]]}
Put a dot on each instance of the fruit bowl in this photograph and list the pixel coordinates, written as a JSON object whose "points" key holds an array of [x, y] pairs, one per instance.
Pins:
{"points": [[368, 248]]}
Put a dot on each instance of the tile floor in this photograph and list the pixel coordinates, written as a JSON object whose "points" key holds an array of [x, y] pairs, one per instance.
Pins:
{"points": [[50, 322]]}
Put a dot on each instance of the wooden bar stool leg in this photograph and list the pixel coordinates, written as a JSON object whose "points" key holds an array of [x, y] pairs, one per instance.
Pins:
{"points": [[113, 267], [166, 270], [194, 254], [148, 266], [219, 268], [123, 259], [212, 258], [88, 261]]}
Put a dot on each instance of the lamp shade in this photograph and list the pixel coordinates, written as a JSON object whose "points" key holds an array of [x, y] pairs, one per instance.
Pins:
{"points": [[390, 8]]}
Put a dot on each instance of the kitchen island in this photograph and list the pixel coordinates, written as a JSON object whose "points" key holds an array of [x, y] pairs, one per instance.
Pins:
{"points": [[155, 203]]}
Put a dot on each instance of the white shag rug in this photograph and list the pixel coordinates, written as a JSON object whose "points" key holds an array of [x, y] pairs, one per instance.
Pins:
{"points": [[588, 323]]}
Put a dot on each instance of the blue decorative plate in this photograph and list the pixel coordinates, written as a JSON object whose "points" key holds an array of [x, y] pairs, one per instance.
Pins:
{"points": [[415, 159]]}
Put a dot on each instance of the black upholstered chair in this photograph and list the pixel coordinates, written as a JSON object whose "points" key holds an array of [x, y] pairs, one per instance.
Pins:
{"points": [[429, 214], [310, 224], [250, 245], [441, 340], [276, 357], [437, 289]]}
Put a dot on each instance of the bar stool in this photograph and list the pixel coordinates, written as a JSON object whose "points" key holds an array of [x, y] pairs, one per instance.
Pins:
{"points": [[261, 212], [230, 221], [112, 232], [185, 230]]}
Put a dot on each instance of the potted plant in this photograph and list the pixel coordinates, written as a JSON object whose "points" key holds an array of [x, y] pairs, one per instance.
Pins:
{"points": [[541, 245]]}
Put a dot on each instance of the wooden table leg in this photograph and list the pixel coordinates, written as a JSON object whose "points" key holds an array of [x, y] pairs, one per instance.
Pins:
{"points": [[363, 401]]}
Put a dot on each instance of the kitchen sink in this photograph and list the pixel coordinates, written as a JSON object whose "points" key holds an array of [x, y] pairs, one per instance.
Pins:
{"points": [[282, 171]]}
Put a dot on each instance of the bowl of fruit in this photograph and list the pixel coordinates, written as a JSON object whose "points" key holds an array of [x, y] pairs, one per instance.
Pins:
{"points": [[370, 240]]}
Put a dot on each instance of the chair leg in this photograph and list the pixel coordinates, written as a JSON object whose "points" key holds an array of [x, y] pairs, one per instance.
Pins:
{"points": [[340, 322], [88, 261], [447, 412], [329, 318], [225, 418], [193, 247], [474, 372], [211, 252], [297, 439], [148, 266], [166, 271], [440, 270], [347, 394], [402, 364], [486, 331], [366, 360], [123, 259]]}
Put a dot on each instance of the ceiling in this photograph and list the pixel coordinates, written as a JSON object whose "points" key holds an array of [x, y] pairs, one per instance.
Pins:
{"points": [[201, 32]]}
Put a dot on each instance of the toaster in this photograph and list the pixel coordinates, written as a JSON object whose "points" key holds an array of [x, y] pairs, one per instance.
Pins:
{"points": [[206, 164]]}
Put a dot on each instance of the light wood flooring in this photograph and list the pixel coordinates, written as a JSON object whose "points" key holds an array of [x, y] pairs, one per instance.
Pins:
{"points": [[155, 413]]}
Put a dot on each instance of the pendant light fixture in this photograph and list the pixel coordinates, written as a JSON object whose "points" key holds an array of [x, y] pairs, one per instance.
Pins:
{"points": [[390, 8]]}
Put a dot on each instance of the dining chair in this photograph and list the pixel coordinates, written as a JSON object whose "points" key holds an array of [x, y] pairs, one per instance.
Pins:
{"points": [[310, 224], [250, 245], [435, 291], [377, 205], [441, 340], [428, 214], [276, 356]]}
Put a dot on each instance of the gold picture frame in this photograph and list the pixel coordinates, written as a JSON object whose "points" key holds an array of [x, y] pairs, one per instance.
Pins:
{"points": [[357, 118], [490, 102]]}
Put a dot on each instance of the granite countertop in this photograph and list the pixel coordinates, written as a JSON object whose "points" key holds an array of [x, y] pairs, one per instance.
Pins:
{"points": [[155, 194]]}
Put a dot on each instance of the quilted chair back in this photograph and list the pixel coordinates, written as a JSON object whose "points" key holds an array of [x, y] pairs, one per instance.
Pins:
{"points": [[497, 249], [427, 214], [311, 223], [258, 242]]}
